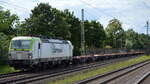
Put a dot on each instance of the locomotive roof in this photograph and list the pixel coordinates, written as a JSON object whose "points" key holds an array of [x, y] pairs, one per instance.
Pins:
{"points": [[55, 41], [25, 38], [22, 38], [43, 40]]}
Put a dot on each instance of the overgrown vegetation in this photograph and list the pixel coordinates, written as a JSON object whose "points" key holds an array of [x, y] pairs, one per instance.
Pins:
{"points": [[6, 69], [7, 31], [47, 21], [108, 68]]}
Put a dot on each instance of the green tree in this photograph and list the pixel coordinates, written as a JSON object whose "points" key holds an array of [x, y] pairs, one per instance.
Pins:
{"points": [[130, 38], [135, 40], [75, 30], [47, 21], [7, 22], [94, 34], [115, 34], [4, 41]]}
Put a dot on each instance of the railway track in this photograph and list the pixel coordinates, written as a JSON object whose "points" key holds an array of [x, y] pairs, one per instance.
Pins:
{"points": [[128, 75], [145, 79], [12, 74], [30, 77]]}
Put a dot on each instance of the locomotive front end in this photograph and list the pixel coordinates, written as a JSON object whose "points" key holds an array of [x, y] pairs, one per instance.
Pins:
{"points": [[20, 52]]}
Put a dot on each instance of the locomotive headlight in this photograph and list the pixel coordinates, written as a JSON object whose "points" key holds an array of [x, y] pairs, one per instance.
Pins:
{"points": [[9, 55], [30, 55]]}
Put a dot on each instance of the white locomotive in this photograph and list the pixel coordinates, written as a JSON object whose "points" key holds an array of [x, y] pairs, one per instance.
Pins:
{"points": [[26, 52]]}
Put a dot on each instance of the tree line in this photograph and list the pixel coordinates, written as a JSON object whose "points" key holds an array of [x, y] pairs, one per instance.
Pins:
{"points": [[50, 22]]}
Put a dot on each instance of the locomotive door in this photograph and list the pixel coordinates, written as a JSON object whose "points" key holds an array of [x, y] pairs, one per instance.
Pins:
{"points": [[39, 50]]}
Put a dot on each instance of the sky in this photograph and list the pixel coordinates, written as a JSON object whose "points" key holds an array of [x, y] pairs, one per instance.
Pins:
{"points": [[132, 13]]}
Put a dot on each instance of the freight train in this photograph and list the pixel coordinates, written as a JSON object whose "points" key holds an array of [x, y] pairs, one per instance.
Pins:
{"points": [[31, 52]]}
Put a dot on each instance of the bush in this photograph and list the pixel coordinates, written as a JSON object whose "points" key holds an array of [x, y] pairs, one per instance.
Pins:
{"points": [[4, 46]]}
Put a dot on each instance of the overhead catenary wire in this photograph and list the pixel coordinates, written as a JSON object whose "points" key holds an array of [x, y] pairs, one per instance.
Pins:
{"points": [[147, 22], [146, 4], [92, 15], [26, 10], [95, 8], [100, 11], [14, 5]]}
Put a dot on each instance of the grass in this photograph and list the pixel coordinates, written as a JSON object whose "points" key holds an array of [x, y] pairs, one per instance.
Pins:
{"points": [[90, 73], [6, 69]]}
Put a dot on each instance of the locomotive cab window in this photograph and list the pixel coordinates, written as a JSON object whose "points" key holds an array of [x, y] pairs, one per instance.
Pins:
{"points": [[20, 44]]}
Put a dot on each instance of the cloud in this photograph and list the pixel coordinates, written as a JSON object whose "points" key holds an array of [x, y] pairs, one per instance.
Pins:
{"points": [[132, 13], [61, 4], [19, 7]]}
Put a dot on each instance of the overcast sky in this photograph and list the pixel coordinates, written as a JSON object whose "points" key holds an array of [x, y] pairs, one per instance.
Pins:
{"points": [[132, 13]]}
